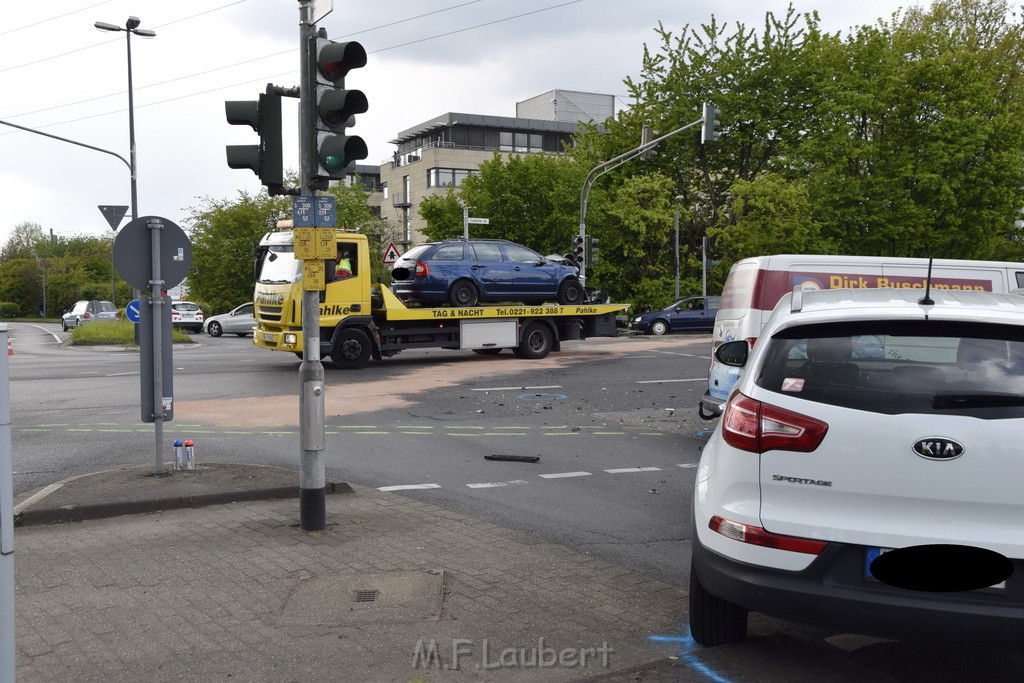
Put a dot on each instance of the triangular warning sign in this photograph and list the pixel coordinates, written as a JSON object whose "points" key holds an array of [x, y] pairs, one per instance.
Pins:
{"points": [[391, 254]]}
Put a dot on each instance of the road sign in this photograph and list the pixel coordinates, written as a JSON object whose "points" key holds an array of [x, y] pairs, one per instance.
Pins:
{"points": [[113, 214], [314, 212], [391, 254], [302, 211], [133, 252], [478, 221], [326, 212], [131, 311]]}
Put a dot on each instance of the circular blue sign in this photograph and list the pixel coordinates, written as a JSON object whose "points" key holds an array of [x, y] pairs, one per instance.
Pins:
{"points": [[131, 311]]}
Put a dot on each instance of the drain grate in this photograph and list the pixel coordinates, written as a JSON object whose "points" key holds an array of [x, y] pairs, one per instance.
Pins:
{"points": [[365, 595]]}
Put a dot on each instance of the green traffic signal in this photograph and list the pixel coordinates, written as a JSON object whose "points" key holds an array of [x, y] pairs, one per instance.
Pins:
{"points": [[335, 108], [338, 152]]}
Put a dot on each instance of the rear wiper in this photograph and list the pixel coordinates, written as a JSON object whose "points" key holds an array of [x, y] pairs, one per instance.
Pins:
{"points": [[947, 401]]}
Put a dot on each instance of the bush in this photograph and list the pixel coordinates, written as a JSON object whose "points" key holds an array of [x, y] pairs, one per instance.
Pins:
{"points": [[9, 309]]}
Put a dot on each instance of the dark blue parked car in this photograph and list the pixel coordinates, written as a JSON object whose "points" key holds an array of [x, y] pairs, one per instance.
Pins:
{"points": [[693, 314], [464, 273]]}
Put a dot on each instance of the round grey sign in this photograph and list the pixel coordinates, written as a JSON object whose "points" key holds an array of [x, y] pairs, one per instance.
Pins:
{"points": [[133, 252]]}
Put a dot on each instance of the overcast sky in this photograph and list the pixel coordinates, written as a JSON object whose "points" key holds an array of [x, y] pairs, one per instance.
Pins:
{"points": [[60, 75]]}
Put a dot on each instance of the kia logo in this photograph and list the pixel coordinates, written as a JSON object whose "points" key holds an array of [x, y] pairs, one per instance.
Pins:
{"points": [[938, 448]]}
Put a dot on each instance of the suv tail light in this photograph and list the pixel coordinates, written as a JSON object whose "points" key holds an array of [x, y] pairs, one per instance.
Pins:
{"points": [[421, 269], [86, 316], [758, 427], [755, 535]]}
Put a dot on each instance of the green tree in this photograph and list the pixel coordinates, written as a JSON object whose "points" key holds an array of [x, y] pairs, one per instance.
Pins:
{"points": [[224, 235]]}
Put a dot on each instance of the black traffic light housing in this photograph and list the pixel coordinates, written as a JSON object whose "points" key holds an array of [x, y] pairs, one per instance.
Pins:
{"points": [[592, 249], [709, 129], [335, 108], [577, 249], [265, 159]]}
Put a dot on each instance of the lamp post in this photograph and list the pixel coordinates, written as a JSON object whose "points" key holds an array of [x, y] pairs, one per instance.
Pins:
{"points": [[678, 198], [42, 265], [131, 26]]}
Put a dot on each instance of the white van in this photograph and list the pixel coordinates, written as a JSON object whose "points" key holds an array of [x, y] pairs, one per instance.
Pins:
{"points": [[756, 284]]}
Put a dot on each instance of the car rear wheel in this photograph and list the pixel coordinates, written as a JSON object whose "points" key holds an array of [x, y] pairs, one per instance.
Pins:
{"points": [[536, 342], [462, 294], [571, 293], [351, 350], [214, 329], [714, 621], [659, 327]]}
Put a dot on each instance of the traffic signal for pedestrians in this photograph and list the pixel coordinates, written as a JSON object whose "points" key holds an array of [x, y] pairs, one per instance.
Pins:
{"points": [[592, 249], [577, 248], [336, 107], [709, 130], [264, 159]]}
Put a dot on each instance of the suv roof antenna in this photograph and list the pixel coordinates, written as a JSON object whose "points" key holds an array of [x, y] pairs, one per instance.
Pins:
{"points": [[926, 300]]}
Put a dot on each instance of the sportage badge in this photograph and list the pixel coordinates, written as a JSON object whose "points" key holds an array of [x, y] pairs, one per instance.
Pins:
{"points": [[938, 448]]}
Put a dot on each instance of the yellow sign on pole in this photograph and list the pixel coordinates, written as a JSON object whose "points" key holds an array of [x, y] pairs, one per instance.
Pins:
{"points": [[325, 243], [313, 278], [306, 243]]}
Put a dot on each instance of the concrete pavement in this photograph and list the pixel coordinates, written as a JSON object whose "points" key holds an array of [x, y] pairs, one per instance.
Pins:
{"points": [[205, 575]]}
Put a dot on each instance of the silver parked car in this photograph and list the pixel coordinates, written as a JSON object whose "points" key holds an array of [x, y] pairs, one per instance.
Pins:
{"points": [[238, 321], [88, 310]]}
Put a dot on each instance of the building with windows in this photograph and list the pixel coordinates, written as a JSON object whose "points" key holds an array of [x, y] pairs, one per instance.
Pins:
{"points": [[440, 153]]}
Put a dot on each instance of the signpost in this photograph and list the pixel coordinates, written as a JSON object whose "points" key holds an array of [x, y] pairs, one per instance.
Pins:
{"points": [[153, 254]]}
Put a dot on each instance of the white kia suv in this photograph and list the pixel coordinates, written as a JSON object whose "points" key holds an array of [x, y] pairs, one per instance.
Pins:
{"points": [[867, 473]]}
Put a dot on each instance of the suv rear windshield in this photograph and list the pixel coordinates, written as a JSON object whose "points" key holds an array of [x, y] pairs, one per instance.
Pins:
{"points": [[901, 367]]}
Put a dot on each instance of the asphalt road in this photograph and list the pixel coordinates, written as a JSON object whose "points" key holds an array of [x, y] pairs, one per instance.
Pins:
{"points": [[612, 422]]}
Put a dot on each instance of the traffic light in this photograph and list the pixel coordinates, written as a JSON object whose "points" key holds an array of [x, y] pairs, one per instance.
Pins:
{"points": [[264, 159], [709, 129], [646, 135], [335, 108], [577, 248], [592, 249]]}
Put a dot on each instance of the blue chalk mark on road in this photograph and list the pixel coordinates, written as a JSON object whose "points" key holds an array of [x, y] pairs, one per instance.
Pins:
{"points": [[687, 656]]}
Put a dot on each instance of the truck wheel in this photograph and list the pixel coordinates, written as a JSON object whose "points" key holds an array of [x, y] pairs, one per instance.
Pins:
{"points": [[351, 350], [714, 621], [658, 328], [571, 293], [462, 294], [536, 342]]}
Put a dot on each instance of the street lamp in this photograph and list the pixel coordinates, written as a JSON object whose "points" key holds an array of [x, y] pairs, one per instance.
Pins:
{"points": [[678, 198], [131, 26]]}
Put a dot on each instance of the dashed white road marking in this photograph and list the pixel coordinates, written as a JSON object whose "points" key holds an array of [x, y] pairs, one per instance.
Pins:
{"points": [[563, 475], [496, 484], [687, 464], [623, 470], [408, 487]]}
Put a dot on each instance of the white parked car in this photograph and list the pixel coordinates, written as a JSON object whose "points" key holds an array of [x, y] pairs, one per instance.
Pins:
{"points": [[866, 471], [186, 315], [237, 321]]}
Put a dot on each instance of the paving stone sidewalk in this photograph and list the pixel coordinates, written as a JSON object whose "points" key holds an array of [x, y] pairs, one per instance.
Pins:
{"points": [[393, 590]]}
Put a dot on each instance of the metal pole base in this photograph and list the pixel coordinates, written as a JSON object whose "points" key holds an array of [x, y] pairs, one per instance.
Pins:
{"points": [[313, 509]]}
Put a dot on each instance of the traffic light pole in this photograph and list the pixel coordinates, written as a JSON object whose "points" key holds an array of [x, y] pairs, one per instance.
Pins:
{"points": [[312, 481], [606, 166]]}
